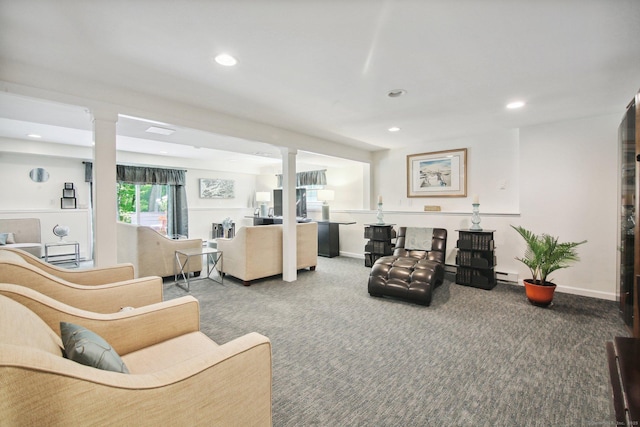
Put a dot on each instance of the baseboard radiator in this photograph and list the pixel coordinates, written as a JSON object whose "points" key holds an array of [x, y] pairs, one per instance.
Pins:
{"points": [[501, 276]]}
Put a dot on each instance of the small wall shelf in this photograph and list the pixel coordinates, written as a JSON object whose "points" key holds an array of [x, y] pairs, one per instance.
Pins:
{"points": [[68, 199]]}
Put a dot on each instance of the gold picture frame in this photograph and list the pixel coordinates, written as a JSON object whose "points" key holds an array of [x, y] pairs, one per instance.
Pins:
{"points": [[437, 174]]}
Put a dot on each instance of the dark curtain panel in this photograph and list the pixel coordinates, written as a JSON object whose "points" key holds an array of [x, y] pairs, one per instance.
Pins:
{"points": [[177, 212], [318, 177]]}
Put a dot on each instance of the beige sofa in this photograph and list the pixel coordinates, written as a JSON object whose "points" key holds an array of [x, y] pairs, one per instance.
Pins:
{"points": [[151, 253], [178, 376], [256, 251], [103, 290], [26, 234]]}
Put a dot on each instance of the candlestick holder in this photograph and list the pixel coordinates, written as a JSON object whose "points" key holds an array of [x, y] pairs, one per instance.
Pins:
{"points": [[380, 215], [475, 218]]}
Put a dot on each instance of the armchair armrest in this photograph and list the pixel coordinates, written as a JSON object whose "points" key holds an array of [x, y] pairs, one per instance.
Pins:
{"points": [[112, 297], [93, 276], [106, 298], [126, 331]]}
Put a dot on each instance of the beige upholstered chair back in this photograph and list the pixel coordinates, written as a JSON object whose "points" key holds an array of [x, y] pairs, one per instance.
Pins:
{"points": [[151, 253], [256, 251]]}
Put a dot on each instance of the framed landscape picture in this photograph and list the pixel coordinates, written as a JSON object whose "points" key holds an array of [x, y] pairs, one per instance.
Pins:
{"points": [[437, 174], [216, 188]]}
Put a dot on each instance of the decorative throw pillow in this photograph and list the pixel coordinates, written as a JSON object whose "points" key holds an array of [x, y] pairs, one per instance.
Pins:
{"points": [[11, 238], [3, 239], [86, 347]]}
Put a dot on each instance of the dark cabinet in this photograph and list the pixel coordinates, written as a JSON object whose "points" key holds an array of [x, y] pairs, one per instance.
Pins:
{"points": [[629, 246], [624, 374], [328, 239], [476, 259], [380, 242]]}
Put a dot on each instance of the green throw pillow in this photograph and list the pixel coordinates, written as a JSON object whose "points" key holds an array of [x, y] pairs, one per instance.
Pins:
{"points": [[3, 239], [86, 347]]}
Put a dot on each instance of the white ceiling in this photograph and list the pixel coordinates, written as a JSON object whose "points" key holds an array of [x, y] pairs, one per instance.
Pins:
{"points": [[323, 68]]}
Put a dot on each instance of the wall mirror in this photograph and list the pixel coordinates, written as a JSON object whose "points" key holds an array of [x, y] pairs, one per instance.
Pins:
{"points": [[39, 175]]}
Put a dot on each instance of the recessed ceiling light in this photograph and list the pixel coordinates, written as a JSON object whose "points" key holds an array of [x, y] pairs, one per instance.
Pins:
{"points": [[34, 135], [160, 131], [226, 60], [163, 152], [396, 93], [394, 129], [514, 105]]}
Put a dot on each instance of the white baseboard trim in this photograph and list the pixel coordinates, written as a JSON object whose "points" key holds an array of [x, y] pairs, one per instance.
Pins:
{"points": [[448, 268], [610, 296], [352, 255]]}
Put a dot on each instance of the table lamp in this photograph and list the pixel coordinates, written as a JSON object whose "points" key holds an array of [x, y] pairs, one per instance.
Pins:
{"points": [[325, 196], [263, 197]]}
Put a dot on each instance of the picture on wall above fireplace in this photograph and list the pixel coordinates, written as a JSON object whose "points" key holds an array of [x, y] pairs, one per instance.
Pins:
{"points": [[437, 174]]}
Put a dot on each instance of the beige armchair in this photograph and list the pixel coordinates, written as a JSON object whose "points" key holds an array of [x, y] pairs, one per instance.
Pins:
{"points": [[151, 253], [89, 289], [178, 376], [87, 276], [256, 251]]}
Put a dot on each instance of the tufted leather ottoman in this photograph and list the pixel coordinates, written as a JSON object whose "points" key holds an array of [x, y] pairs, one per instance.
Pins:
{"points": [[410, 274]]}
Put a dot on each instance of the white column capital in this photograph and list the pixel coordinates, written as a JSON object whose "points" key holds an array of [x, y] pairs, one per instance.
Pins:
{"points": [[103, 115], [288, 151]]}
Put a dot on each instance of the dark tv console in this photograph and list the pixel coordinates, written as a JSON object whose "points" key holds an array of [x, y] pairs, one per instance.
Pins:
{"points": [[268, 220]]}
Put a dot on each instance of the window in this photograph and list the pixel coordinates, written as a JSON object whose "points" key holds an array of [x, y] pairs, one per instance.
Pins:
{"points": [[312, 193], [143, 204]]}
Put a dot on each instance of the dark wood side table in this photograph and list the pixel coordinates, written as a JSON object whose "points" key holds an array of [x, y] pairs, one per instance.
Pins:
{"points": [[623, 356], [329, 237]]}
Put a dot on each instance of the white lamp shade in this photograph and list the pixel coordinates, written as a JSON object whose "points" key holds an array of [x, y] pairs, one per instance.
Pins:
{"points": [[263, 196], [325, 195]]}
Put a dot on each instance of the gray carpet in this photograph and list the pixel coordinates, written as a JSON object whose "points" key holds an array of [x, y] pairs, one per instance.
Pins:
{"points": [[474, 357]]}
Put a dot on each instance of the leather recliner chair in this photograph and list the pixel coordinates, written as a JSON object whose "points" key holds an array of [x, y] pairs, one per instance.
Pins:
{"points": [[410, 274]]}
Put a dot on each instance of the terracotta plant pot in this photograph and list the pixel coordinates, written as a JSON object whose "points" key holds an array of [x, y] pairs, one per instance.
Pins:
{"points": [[540, 295]]}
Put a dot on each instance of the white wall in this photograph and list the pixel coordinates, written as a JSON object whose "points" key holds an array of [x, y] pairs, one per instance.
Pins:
{"points": [[347, 179], [569, 189], [492, 159], [561, 178], [22, 198], [204, 212]]}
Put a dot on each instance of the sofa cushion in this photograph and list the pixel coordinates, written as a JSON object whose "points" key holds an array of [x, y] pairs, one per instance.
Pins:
{"points": [[7, 239], [166, 354], [84, 346], [20, 326]]}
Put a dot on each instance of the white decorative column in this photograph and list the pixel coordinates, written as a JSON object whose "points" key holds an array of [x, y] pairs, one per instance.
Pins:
{"points": [[105, 198], [289, 241]]}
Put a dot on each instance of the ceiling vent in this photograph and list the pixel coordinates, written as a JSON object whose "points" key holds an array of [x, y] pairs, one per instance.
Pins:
{"points": [[160, 131]]}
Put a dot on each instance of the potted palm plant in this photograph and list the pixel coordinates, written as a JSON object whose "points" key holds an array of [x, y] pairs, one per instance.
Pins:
{"points": [[544, 255]]}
